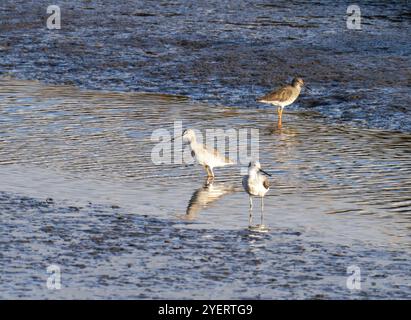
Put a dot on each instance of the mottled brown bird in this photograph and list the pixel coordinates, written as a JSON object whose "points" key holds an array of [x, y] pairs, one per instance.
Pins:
{"points": [[283, 97]]}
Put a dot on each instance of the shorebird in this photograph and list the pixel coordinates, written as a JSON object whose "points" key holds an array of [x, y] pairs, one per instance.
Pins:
{"points": [[255, 184], [283, 96], [208, 158]]}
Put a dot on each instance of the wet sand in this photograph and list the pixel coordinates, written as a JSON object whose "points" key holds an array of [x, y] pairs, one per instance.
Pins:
{"points": [[79, 190]]}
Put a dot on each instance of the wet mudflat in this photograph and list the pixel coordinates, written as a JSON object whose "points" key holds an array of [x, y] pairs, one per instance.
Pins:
{"points": [[79, 189], [224, 53]]}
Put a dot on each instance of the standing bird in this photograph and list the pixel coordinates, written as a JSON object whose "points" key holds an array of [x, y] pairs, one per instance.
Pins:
{"points": [[208, 158], [255, 184], [283, 97]]}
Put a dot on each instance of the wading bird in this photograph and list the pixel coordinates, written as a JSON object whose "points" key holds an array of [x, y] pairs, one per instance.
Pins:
{"points": [[208, 158], [283, 96], [256, 184]]}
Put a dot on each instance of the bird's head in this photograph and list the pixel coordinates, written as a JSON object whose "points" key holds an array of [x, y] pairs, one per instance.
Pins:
{"points": [[297, 82], [189, 135], [256, 166]]}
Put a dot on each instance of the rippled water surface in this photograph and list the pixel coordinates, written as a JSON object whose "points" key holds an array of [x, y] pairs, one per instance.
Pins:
{"points": [[224, 52], [78, 189]]}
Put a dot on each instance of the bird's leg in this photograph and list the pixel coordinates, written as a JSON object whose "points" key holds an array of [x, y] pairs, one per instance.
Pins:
{"points": [[250, 217], [210, 175], [211, 172], [280, 116], [262, 211], [208, 171], [208, 181]]}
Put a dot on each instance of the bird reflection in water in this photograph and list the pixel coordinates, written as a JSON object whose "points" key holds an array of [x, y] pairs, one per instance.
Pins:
{"points": [[203, 197]]}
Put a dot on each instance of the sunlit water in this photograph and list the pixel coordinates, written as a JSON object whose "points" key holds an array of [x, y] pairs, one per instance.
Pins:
{"points": [[78, 189], [222, 52]]}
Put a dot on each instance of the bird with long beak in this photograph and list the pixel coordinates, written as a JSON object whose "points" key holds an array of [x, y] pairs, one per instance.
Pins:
{"points": [[208, 158], [256, 184], [284, 96]]}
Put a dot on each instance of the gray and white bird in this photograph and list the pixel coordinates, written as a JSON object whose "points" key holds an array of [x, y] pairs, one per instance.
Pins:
{"points": [[208, 158], [256, 184], [283, 96]]}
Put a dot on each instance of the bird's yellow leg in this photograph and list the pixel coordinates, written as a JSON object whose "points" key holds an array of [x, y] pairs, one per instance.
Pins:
{"points": [[208, 181], [280, 116], [210, 173]]}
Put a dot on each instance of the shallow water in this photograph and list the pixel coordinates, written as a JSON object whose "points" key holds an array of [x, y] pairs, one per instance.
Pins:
{"points": [[222, 52], [79, 189]]}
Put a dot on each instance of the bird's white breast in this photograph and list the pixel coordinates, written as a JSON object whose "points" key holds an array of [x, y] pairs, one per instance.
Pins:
{"points": [[254, 185]]}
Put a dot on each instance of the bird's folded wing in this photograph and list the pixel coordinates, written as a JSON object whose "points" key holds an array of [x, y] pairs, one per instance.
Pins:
{"points": [[266, 183], [280, 95]]}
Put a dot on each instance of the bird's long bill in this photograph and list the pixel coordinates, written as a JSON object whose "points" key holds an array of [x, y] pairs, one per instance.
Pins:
{"points": [[266, 173], [309, 88], [175, 138]]}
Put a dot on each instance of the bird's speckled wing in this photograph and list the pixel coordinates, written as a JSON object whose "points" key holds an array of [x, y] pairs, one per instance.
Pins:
{"points": [[266, 183], [281, 95]]}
